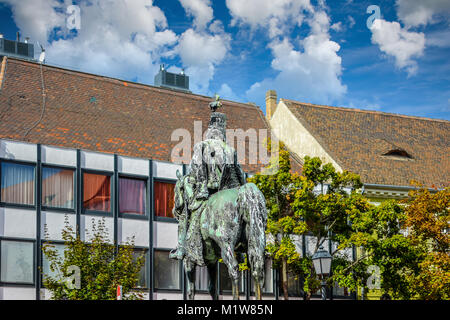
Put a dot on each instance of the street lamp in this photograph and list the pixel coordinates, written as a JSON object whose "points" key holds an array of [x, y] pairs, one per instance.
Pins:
{"points": [[322, 265]]}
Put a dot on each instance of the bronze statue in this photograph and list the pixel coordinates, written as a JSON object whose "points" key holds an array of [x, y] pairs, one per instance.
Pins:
{"points": [[219, 214]]}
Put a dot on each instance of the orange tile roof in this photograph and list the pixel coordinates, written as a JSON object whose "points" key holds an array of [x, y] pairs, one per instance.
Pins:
{"points": [[358, 139], [104, 114]]}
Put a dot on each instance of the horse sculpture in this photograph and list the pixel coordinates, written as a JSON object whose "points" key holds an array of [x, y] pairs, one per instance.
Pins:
{"points": [[231, 222]]}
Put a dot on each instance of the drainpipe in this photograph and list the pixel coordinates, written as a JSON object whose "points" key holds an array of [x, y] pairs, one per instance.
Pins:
{"points": [[2, 71]]}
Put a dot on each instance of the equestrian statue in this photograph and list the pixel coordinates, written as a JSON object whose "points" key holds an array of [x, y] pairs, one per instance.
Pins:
{"points": [[219, 214]]}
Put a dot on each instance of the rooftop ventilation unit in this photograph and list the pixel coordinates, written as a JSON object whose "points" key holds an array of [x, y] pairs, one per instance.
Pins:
{"points": [[16, 49], [171, 80]]}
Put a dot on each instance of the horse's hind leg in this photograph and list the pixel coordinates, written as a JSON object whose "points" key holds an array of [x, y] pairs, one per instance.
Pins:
{"points": [[233, 269], [189, 268], [212, 287]]}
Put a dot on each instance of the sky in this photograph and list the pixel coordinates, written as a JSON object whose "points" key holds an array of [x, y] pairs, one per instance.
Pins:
{"points": [[385, 55]]}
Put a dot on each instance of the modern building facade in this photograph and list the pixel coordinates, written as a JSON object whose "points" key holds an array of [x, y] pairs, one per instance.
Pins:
{"points": [[81, 148]]}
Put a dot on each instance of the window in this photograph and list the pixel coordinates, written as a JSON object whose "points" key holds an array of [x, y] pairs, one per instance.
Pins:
{"points": [[201, 278], [268, 279], [143, 279], [17, 261], [17, 183], [295, 286], [57, 188], [59, 248], [164, 198], [225, 280], [132, 196], [97, 192], [167, 271]]}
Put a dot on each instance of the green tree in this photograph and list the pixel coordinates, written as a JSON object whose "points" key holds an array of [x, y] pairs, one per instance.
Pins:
{"points": [[101, 267], [427, 221], [278, 189], [333, 209]]}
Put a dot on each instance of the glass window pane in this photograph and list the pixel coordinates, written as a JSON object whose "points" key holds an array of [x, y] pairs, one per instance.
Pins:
{"points": [[17, 183], [97, 192], [132, 196], [16, 261], [57, 188], [225, 281], [142, 282], [46, 264], [164, 198], [268, 279], [167, 271], [201, 278]]}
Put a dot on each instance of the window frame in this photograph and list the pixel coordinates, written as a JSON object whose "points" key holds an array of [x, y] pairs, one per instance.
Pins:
{"points": [[58, 209], [180, 273], [55, 242], [156, 217], [18, 205], [100, 213], [146, 268], [146, 215], [34, 266]]}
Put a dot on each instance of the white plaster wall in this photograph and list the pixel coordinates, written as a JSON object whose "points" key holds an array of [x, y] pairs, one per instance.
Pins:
{"points": [[166, 170], [165, 234], [55, 222], [17, 293], [19, 223], [18, 150], [289, 130], [133, 166], [97, 161], [86, 223], [167, 296], [132, 227], [59, 156]]}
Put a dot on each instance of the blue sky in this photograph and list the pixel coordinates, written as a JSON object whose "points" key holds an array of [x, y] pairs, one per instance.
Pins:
{"points": [[312, 51]]}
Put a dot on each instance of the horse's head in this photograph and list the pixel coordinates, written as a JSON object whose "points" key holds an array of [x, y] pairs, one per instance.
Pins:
{"points": [[179, 195]]}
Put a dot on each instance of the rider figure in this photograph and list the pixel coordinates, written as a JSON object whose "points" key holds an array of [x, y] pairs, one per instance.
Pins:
{"points": [[213, 167]]}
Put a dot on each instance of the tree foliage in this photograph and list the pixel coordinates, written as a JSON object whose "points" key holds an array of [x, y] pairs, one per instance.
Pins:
{"points": [[101, 267]]}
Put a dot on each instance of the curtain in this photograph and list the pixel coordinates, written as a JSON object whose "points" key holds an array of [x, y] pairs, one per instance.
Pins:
{"points": [[97, 192], [167, 271], [164, 198], [57, 188], [17, 183], [132, 196], [16, 261]]}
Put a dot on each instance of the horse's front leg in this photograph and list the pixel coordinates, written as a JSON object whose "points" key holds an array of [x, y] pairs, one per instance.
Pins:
{"points": [[189, 268], [233, 269], [212, 286]]}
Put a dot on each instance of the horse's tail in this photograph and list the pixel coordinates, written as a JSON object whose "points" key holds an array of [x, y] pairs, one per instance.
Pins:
{"points": [[253, 202]]}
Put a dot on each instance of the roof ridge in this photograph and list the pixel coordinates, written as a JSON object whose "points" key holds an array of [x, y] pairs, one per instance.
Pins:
{"points": [[136, 85], [347, 109]]}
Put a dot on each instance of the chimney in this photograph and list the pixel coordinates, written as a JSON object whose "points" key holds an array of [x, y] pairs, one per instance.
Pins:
{"points": [[271, 103]]}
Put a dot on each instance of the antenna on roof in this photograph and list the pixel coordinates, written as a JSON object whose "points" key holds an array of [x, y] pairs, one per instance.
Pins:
{"points": [[42, 55]]}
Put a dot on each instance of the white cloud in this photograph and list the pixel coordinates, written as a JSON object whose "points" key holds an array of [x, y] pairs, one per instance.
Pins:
{"points": [[310, 75], [117, 38], [308, 69], [419, 12], [201, 11], [203, 47], [399, 43], [352, 21], [275, 15], [337, 26], [200, 53]]}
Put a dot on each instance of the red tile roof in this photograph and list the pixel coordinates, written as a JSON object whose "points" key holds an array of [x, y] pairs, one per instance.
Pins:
{"points": [[358, 140], [108, 115]]}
